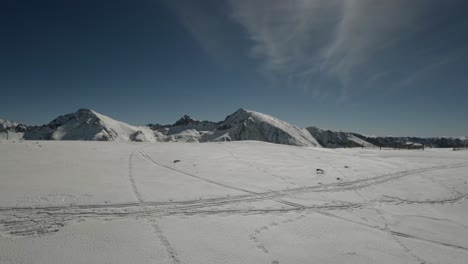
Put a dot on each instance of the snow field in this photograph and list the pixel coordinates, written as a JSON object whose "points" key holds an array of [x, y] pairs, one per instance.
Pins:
{"points": [[230, 202]]}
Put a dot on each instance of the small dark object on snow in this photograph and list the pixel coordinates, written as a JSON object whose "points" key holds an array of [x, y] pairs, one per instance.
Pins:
{"points": [[346, 166], [320, 171], [338, 178], [175, 161]]}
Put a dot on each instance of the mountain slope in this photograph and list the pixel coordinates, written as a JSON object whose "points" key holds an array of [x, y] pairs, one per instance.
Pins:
{"points": [[251, 125], [244, 124], [86, 124], [186, 129], [334, 139]]}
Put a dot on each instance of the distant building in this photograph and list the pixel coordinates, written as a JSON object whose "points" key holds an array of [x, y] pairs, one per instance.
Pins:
{"points": [[411, 145]]}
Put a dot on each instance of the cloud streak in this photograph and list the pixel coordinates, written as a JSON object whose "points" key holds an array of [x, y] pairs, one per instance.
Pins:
{"points": [[284, 32], [208, 26], [301, 40]]}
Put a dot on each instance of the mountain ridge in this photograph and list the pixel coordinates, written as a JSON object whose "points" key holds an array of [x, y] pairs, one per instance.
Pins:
{"points": [[243, 124]]}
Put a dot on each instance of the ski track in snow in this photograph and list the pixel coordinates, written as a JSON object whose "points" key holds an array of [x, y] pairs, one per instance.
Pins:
{"points": [[146, 156], [43, 220], [257, 232], [131, 178], [396, 238], [157, 229]]}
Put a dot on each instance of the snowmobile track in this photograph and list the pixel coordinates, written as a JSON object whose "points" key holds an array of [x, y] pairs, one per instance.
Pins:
{"points": [[24, 221]]}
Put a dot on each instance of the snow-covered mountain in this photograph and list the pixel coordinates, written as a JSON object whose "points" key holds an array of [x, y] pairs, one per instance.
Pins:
{"points": [[241, 125], [5, 124], [11, 130], [186, 129], [11, 126], [337, 139], [244, 124], [86, 124], [436, 142], [251, 125], [340, 139]]}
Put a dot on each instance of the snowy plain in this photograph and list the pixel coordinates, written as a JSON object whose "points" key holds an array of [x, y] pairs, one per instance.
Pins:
{"points": [[230, 202]]}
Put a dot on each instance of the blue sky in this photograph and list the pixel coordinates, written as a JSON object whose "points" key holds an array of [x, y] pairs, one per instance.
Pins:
{"points": [[377, 67]]}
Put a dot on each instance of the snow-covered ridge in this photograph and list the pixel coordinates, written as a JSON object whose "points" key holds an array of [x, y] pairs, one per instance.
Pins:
{"points": [[437, 142], [11, 130], [337, 139], [5, 124], [186, 125], [86, 124], [250, 125], [340, 139]]}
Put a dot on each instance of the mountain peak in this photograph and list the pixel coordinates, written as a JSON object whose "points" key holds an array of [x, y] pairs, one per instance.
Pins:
{"points": [[250, 125], [243, 111], [184, 120], [240, 115], [86, 124], [85, 111]]}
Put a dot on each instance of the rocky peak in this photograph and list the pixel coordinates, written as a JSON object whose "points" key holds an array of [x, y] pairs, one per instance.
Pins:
{"points": [[185, 120]]}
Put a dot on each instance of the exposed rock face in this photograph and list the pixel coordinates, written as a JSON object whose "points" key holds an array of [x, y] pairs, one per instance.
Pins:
{"points": [[139, 136], [185, 126], [185, 120], [9, 126], [188, 123], [334, 139], [11, 130]]}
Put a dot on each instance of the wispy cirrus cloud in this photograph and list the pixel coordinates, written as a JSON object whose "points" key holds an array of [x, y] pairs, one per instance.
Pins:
{"points": [[287, 35], [208, 26], [303, 40]]}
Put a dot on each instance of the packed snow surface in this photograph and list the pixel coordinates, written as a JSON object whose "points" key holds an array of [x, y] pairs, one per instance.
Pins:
{"points": [[230, 202]]}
